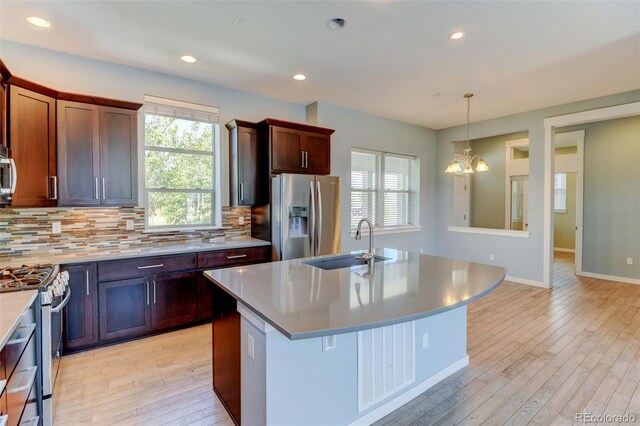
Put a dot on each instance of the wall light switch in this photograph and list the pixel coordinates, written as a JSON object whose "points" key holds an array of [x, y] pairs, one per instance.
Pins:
{"points": [[129, 225], [492, 256], [241, 220], [250, 346], [56, 227], [425, 340], [629, 260]]}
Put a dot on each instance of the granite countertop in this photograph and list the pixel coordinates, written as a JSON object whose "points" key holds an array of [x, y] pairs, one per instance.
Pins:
{"points": [[302, 301], [12, 305], [80, 256]]}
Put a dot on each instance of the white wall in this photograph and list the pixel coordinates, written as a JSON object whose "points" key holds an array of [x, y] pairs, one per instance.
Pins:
{"points": [[522, 257], [359, 130]]}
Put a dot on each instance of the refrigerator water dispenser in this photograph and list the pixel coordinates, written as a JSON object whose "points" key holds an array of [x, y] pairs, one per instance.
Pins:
{"points": [[298, 221]]}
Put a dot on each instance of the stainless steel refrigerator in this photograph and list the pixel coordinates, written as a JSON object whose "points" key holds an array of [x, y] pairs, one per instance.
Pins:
{"points": [[305, 215]]}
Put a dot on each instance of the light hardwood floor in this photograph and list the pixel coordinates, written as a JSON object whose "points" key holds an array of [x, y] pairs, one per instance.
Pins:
{"points": [[159, 380], [537, 356]]}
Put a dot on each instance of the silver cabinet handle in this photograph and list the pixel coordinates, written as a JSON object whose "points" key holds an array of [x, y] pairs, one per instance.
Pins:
{"points": [[154, 292], [55, 187], [238, 256], [159, 265], [312, 227], [26, 336], [319, 218], [97, 193], [14, 175], [104, 189], [306, 159], [302, 158], [87, 273], [147, 284], [241, 191]]}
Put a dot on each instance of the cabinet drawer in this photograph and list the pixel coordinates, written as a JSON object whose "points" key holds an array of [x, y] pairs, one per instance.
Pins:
{"points": [[30, 413], [241, 256], [16, 344], [142, 266], [21, 382]]}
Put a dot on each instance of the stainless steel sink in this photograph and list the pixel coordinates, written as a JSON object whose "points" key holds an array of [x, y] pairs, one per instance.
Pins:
{"points": [[344, 261]]}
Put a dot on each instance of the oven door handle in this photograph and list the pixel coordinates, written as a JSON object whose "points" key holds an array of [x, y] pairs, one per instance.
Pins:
{"points": [[64, 302]]}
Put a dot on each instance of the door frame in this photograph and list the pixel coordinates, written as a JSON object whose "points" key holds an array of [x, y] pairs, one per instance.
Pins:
{"points": [[550, 125]]}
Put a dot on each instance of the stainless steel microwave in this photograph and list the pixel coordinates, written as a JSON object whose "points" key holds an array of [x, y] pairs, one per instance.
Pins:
{"points": [[8, 176]]}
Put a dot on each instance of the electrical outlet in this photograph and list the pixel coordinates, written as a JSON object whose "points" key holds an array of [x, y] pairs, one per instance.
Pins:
{"points": [[629, 260], [250, 346], [492, 256], [425, 340], [56, 227], [129, 225], [241, 220]]}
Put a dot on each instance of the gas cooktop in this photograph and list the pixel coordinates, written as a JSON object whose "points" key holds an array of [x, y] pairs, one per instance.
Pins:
{"points": [[26, 277]]}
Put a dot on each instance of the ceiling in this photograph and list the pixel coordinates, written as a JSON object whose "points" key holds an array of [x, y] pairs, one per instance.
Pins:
{"points": [[392, 59]]}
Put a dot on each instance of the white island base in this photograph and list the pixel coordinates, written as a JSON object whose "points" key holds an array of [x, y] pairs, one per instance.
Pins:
{"points": [[352, 378]]}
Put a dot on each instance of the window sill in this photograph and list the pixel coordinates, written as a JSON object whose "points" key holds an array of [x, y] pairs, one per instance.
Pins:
{"points": [[560, 211], [489, 231], [185, 229], [388, 231]]}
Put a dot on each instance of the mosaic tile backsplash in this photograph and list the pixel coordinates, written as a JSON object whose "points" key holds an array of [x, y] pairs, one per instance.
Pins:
{"points": [[25, 232]]}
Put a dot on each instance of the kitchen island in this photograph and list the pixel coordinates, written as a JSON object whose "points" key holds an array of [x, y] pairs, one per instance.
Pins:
{"points": [[345, 345]]}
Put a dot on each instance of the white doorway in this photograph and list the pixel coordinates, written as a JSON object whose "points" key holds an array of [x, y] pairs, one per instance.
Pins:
{"points": [[550, 124]]}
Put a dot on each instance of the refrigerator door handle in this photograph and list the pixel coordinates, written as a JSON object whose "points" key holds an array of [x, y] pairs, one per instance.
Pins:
{"points": [[312, 228], [319, 217]]}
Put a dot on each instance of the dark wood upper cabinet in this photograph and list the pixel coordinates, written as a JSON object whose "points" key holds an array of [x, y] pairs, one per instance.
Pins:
{"points": [[297, 148], [318, 153], [174, 300], [97, 154], [32, 141], [78, 154], [118, 157], [243, 164], [81, 313]]}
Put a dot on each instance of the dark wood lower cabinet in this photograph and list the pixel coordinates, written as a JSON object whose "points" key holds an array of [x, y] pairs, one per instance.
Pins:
{"points": [[205, 295], [226, 351], [81, 313], [174, 300], [124, 308]]}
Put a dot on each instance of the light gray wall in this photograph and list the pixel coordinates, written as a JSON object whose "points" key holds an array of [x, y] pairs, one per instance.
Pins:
{"points": [[77, 74], [611, 224], [487, 189], [357, 130], [564, 225], [522, 257]]}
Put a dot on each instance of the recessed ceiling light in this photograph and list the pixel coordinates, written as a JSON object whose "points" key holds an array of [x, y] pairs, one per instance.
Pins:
{"points": [[39, 22], [299, 77], [337, 23], [188, 58], [456, 36]]}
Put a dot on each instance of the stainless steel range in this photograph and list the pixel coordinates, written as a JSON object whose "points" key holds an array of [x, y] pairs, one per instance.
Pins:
{"points": [[54, 296]]}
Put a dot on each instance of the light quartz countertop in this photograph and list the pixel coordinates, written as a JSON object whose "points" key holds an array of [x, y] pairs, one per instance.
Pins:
{"points": [[302, 301], [81, 256], [12, 305]]}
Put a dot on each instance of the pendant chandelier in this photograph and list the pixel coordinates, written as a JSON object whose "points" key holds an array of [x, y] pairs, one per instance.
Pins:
{"points": [[463, 163]]}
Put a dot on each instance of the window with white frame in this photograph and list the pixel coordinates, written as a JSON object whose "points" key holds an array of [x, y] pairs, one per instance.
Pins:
{"points": [[383, 188], [560, 195], [181, 172]]}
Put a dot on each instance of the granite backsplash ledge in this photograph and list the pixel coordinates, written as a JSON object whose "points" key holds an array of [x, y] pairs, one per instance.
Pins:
{"points": [[25, 232]]}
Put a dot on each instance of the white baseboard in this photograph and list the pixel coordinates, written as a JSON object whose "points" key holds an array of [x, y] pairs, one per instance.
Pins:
{"points": [[412, 393], [564, 250], [609, 277], [525, 281]]}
